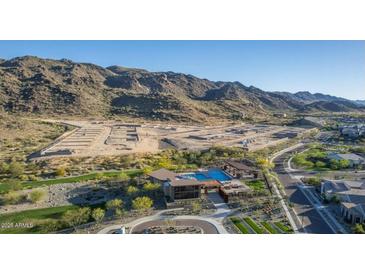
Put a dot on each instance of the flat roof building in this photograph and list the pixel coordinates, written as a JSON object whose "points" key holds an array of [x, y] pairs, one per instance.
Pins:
{"points": [[174, 187], [177, 189], [162, 175], [233, 191]]}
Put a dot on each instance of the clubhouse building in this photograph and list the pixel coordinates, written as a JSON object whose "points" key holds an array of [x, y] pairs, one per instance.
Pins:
{"points": [[225, 181]]}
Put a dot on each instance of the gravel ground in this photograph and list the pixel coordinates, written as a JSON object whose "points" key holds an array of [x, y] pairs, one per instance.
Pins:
{"points": [[66, 194]]}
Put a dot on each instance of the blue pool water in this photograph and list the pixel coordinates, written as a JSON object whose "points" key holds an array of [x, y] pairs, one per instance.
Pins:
{"points": [[200, 176], [218, 175], [211, 174]]}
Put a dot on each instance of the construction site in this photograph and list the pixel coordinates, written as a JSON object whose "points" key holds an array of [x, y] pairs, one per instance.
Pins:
{"points": [[95, 138]]}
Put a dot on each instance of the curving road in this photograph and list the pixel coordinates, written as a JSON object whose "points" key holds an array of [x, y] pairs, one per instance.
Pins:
{"points": [[211, 224], [312, 217], [206, 227]]}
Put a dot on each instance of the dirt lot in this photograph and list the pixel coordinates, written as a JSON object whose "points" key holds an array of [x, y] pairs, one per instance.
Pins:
{"points": [[95, 138]]}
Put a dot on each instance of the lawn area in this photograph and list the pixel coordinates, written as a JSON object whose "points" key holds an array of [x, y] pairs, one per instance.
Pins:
{"points": [[269, 228], [317, 159], [5, 187], [256, 185], [26, 217], [33, 216], [253, 225], [237, 222], [283, 227]]}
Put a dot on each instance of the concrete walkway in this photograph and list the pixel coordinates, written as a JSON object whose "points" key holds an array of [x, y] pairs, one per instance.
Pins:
{"points": [[222, 209]]}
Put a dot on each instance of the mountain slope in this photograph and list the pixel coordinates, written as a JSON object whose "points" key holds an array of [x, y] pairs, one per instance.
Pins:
{"points": [[52, 87], [307, 97], [332, 106]]}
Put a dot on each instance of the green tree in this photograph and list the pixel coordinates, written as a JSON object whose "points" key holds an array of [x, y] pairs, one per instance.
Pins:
{"points": [[4, 168], [16, 169], [32, 178], [334, 164], [23, 177], [358, 229], [196, 207], [114, 204], [320, 164], [147, 170], [165, 163], [149, 186], [315, 181], [264, 163], [98, 215], [142, 203], [119, 212], [36, 196], [61, 171], [132, 190], [122, 176], [343, 164], [74, 218]]}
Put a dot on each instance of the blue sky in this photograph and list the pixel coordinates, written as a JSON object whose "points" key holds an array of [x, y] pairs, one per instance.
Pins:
{"points": [[331, 67]]}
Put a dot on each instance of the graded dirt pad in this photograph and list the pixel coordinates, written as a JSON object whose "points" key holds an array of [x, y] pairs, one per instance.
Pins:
{"points": [[95, 138], [205, 226]]}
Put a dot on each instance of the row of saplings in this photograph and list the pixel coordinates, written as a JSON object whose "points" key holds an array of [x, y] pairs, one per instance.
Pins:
{"points": [[76, 217]]}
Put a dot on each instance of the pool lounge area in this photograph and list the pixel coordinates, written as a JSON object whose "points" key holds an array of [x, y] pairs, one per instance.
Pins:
{"points": [[211, 174]]}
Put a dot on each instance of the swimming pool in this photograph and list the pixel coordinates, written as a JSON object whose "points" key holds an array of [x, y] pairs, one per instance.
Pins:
{"points": [[211, 174], [218, 175], [197, 175]]}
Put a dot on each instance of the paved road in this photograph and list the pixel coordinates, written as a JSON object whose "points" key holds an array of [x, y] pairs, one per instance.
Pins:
{"points": [[311, 221], [206, 222], [206, 227]]}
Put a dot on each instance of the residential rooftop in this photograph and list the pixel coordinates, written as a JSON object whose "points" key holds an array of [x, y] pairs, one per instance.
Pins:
{"points": [[350, 191], [347, 156]]}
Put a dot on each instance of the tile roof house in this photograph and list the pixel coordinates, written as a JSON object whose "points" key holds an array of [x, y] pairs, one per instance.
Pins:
{"points": [[354, 159], [351, 195]]}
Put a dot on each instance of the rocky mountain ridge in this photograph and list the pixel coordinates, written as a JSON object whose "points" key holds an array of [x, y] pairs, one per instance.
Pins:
{"points": [[53, 87]]}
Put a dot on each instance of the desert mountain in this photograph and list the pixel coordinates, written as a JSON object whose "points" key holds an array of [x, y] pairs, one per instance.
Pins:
{"points": [[52, 87], [360, 102]]}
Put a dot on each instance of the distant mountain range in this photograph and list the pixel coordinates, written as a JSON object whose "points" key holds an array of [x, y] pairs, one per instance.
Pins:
{"points": [[53, 87], [360, 102]]}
